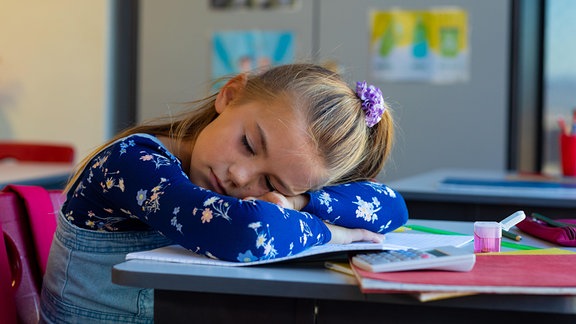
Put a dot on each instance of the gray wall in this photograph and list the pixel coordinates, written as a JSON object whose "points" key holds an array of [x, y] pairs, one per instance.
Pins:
{"points": [[461, 125], [175, 47]]}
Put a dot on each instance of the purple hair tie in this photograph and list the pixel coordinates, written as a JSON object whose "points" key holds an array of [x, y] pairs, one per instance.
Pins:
{"points": [[372, 102]]}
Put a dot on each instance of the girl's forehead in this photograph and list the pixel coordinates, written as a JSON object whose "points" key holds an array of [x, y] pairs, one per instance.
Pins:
{"points": [[288, 118], [292, 150], [285, 106]]}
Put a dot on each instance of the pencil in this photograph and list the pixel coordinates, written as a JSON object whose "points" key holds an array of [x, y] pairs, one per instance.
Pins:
{"points": [[339, 267], [401, 229], [562, 125], [573, 130], [511, 235], [519, 246], [431, 230]]}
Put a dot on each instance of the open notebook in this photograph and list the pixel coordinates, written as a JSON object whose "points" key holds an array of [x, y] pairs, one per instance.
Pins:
{"points": [[394, 241]]}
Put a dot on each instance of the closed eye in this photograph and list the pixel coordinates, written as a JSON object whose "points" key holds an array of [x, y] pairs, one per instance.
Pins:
{"points": [[247, 145], [270, 185]]}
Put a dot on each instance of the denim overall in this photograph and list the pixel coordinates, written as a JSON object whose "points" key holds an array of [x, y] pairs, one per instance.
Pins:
{"points": [[78, 288]]}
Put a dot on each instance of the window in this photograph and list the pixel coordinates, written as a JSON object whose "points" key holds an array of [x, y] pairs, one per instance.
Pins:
{"points": [[559, 77], [543, 82]]}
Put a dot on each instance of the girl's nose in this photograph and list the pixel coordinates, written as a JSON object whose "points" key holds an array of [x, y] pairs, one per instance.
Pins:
{"points": [[242, 174], [239, 175], [245, 179]]}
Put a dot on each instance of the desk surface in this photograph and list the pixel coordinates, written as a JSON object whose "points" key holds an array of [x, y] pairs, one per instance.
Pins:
{"points": [[427, 187], [312, 280], [34, 173]]}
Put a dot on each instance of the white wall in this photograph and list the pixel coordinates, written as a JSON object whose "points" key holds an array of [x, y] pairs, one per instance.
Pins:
{"points": [[460, 125], [452, 125], [53, 74], [175, 47], [53, 63]]}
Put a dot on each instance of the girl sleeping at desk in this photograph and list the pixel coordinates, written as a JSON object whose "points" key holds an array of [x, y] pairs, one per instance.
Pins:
{"points": [[272, 164]]}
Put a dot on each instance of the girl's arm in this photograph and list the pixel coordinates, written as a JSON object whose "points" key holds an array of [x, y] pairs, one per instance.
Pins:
{"points": [[357, 205], [365, 204], [136, 182]]}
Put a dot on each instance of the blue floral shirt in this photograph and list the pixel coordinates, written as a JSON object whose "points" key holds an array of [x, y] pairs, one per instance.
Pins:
{"points": [[137, 184]]}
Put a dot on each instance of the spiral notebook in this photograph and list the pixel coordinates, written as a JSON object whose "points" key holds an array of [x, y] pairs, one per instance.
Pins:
{"points": [[394, 241]]}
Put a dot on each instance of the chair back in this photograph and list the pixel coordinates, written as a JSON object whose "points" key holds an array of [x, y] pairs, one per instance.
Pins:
{"points": [[25, 264], [8, 309], [36, 152]]}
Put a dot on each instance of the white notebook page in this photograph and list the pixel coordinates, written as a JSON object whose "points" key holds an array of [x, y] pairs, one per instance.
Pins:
{"points": [[393, 241]]}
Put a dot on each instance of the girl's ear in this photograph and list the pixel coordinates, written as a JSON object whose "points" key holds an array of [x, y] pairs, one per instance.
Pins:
{"points": [[230, 91]]}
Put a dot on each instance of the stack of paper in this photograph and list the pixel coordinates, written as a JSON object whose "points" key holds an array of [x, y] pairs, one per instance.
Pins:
{"points": [[502, 273], [394, 241], [423, 296]]}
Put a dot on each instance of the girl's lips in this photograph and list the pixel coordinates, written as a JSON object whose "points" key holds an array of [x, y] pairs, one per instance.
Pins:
{"points": [[216, 184]]}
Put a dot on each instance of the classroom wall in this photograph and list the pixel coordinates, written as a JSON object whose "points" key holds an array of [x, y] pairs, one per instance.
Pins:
{"points": [[453, 125], [53, 72], [175, 47], [458, 125], [53, 61]]}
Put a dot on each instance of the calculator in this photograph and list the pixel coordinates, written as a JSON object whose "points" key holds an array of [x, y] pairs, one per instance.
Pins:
{"points": [[449, 258]]}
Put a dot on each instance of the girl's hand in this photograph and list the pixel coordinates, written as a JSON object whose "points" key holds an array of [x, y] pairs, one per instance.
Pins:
{"points": [[293, 202], [340, 235], [344, 235]]}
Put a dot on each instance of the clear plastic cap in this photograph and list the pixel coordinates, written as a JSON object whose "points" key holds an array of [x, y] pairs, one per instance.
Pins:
{"points": [[488, 229]]}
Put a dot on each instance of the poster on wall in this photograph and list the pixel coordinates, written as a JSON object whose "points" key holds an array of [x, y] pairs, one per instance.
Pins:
{"points": [[244, 51], [420, 45], [253, 4]]}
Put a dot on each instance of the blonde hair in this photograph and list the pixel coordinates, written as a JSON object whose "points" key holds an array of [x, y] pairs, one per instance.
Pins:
{"points": [[337, 125]]}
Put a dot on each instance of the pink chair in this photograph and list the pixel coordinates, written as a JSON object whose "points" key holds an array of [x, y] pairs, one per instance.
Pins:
{"points": [[28, 219], [36, 152], [8, 309]]}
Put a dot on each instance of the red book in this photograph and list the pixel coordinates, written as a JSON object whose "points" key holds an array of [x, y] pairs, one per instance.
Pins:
{"points": [[551, 274]]}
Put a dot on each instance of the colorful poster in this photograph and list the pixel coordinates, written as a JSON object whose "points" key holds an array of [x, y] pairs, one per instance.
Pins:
{"points": [[449, 48], [243, 51], [428, 46], [253, 4]]}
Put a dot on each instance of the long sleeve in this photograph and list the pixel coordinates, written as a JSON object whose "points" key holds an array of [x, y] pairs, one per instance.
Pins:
{"points": [[135, 184], [370, 205]]}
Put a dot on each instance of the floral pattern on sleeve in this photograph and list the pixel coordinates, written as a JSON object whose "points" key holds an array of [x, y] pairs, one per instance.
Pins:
{"points": [[136, 184], [363, 204]]}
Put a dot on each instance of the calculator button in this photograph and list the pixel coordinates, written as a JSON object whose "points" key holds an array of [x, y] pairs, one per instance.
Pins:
{"points": [[442, 258]]}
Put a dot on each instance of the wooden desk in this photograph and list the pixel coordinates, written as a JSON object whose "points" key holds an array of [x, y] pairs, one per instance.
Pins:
{"points": [[309, 293], [427, 199], [48, 175]]}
